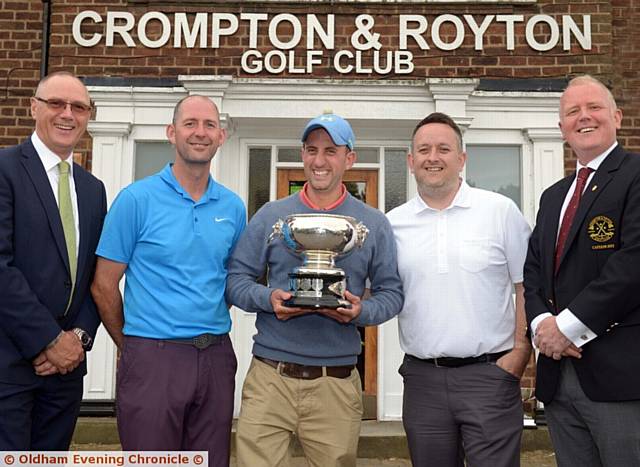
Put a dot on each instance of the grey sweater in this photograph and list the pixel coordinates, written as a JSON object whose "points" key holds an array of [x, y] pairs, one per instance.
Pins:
{"points": [[313, 339]]}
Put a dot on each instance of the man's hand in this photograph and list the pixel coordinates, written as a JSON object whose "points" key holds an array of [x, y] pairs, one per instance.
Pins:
{"points": [[572, 351], [278, 296], [515, 361], [345, 315], [552, 343], [43, 366], [66, 354]]}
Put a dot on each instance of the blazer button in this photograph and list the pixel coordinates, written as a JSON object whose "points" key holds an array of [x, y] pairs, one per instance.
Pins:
{"points": [[550, 302], [67, 284]]}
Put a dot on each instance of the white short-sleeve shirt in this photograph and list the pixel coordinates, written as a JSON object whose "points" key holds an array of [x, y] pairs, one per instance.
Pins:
{"points": [[458, 266]]}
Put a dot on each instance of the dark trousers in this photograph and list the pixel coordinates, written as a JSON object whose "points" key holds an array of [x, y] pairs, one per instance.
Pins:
{"points": [[591, 434], [449, 414], [176, 397], [39, 416]]}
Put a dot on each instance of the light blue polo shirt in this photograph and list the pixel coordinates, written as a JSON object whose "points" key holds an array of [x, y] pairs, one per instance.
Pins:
{"points": [[176, 251]]}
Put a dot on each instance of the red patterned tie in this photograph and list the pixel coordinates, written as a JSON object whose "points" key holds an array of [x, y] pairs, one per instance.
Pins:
{"points": [[569, 214]]}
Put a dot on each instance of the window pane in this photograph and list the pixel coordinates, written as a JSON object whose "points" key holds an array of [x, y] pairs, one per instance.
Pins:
{"points": [[395, 175], [496, 168], [259, 178], [367, 155], [289, 155], [152, 157]]}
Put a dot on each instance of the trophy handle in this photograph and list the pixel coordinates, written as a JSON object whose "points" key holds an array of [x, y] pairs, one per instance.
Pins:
{"points": [[361, 234], [277, 231], [281, 230]]}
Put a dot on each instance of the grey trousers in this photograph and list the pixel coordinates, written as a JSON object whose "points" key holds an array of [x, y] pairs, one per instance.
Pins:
{"points": [[592, 434], [449, 414]]}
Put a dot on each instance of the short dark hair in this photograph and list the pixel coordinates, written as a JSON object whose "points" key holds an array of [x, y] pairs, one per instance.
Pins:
{"points": [[439, 117]]}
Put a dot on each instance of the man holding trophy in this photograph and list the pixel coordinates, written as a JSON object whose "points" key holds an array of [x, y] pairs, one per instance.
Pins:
{"points": [[319, 249]]}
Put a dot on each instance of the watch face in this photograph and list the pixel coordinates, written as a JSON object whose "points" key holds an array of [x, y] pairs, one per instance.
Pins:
{"points": [[85, 339]]}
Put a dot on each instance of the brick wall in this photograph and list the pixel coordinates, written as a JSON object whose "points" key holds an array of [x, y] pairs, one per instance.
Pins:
{"points": [[20, 44], [494, 61], [20, 58], [626, 71]]}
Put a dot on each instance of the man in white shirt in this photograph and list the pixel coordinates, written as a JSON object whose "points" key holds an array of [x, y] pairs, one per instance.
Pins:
{"points": [[461, 251], [581, 287]]}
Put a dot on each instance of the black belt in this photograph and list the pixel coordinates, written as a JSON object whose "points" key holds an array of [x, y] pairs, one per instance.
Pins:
{"points": [[202, 341], [295, 370], [454, 362]]}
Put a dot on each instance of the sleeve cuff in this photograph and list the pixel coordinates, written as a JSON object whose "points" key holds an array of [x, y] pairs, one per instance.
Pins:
{"points": [[54, 341], [265, 299], [574, 329], [534, 326]]}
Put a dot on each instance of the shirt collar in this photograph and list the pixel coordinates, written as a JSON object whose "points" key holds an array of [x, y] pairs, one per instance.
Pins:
{"points": [[307, 201], [595, 163], [461, 200], [47, 156], [213, 189]]}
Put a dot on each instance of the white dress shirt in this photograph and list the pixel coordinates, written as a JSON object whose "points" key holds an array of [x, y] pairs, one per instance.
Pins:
{"points": [[458, 266], [568, 323], [50, 162]]}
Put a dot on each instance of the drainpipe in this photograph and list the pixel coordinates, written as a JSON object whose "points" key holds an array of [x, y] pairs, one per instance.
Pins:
{"points": [[46, 28]]}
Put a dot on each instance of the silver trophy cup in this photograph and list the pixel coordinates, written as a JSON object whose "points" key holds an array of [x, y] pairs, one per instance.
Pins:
{"points": [[320, 239]]}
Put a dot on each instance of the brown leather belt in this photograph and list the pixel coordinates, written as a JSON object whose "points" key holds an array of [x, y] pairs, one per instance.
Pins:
{"points": [[294, 370]]}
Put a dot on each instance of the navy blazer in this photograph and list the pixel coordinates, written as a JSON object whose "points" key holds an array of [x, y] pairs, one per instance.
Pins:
{"points": [[598, 278], [35, 281]]}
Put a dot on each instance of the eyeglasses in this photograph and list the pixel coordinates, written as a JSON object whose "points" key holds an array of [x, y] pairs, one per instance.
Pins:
{"points": [[59, 105]]}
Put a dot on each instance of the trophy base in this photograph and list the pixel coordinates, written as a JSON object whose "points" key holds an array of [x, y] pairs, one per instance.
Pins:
{"points": [[314, 289], [317, 302]]}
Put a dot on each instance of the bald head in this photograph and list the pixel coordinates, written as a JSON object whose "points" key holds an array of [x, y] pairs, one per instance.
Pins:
{"points": [[59, 76], [178, 108]]}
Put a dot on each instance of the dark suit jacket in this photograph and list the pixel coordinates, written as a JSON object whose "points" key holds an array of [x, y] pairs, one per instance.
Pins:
{"points": [[598, 278], [34, 268]]}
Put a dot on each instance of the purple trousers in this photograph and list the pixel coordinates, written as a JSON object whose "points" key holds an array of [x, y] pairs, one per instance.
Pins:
{"points": [[176, 397]]}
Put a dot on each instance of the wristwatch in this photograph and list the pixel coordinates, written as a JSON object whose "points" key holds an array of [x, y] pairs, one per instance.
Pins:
{"points": [[85, 339]]}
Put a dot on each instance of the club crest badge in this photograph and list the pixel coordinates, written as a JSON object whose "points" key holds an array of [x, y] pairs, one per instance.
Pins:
{"points": [[601, 229]]}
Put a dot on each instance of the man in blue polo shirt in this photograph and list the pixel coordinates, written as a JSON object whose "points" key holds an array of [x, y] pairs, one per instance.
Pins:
{"points": [[171, 234]]}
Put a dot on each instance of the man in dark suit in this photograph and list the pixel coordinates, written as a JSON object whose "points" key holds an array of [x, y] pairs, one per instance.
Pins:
{"points": [[51, 214], [582, 289]]}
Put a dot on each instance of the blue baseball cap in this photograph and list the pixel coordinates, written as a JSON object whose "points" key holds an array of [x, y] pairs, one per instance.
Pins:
{"points": [[338, 128]]}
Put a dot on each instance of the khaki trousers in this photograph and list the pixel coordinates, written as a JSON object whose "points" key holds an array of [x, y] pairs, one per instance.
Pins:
{"points": [[324, 413]]}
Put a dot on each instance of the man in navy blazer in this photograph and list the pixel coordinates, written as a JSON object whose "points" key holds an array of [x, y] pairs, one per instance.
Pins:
{"points": [[583, 301], [48, 317]]}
